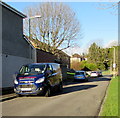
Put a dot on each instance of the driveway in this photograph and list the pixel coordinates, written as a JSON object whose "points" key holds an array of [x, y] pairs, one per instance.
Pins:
{"points": [[77, 99]]}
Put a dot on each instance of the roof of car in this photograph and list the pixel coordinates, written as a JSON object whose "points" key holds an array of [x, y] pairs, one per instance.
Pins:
{"points": [[80, 71], [41, 64]]}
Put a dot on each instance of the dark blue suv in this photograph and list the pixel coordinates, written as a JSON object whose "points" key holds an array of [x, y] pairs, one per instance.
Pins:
{"points": [[38, 79]]}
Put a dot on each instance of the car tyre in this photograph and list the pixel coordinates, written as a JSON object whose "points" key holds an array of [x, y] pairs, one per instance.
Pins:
{"points": [[74, 80], [19, 95], [85, 80]]}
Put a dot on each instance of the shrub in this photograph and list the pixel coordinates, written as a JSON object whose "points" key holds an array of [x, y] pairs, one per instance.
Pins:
{"points": [[91, 66]]}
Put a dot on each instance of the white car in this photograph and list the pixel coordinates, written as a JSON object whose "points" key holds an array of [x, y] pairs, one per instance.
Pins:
{"points": [[94, 74], [88, 72], [100, 73]]}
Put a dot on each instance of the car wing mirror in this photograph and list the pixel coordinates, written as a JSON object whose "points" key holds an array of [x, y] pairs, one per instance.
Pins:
{"points": [[48, 73]]}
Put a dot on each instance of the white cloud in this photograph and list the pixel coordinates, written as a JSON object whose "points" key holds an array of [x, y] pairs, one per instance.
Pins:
{"points": [[111, 43]]}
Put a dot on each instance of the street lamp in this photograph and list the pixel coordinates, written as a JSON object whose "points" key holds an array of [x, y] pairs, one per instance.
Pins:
{"points": [[32, 17]]}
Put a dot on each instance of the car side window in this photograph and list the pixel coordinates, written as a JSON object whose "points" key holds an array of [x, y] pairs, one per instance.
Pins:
{"points": [[49, 68], [55, 68]]}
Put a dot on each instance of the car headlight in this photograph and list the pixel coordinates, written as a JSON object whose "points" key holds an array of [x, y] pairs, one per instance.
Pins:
{"points": [[40, 80], [15, 81]]}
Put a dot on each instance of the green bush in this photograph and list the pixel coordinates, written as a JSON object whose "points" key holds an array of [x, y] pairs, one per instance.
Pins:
{"points": [[90, 66], [82, 64]]}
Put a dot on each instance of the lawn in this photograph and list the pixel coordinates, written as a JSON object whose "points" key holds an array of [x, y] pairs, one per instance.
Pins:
{"points": [[110, 107]]}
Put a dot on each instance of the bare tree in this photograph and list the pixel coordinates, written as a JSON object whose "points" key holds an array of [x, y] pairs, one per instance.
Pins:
{"points": [[112, 4], [56, 29]]}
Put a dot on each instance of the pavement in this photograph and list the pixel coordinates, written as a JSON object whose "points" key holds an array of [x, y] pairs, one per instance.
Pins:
{"points": [[7, 97], [77, 99]]}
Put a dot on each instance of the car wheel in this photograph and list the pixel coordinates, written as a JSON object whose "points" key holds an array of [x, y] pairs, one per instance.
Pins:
{"points": [[74, 80], [86, 80], [48, 93], [19, 95]]}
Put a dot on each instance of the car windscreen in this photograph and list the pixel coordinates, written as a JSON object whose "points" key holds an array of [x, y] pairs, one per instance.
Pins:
{"points": [[79, 73], [32, 69]]}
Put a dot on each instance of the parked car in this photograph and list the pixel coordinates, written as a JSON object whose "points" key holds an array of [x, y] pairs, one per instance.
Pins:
{"points": [[88, 72], [38, 79], [99, 73], [94, 74], [80, 75]]}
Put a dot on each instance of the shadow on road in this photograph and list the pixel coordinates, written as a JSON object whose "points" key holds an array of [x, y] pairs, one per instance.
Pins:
{"points": [[72, 86], [92, 79], [99, 79], [70, 89]]}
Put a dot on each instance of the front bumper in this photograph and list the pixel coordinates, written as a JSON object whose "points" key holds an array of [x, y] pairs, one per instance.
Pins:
{"points": [[29, 91]]}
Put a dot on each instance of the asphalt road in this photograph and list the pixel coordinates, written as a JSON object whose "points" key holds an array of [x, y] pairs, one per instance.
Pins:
{"points": [[77, 99]]}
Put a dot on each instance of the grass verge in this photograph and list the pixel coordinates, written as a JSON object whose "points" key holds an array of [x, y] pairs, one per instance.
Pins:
{"points": [[110, 106], [107, 72]]}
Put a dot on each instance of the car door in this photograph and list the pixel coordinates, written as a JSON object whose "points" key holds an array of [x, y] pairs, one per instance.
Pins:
{"points": [[56, 73], [49, 72]]}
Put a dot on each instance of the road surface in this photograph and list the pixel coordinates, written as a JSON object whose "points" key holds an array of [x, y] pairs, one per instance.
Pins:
{"points": [[77, 99]]}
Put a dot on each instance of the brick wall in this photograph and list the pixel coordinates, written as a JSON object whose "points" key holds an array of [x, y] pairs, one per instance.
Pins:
{"points": [[45, 57]]}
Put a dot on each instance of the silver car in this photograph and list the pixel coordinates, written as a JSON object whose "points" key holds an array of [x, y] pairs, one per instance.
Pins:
{"points": [[80, 75]]}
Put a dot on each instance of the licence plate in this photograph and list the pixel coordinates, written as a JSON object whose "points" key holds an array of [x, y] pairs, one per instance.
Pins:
{"points": [[79, 77], [26, 89]]}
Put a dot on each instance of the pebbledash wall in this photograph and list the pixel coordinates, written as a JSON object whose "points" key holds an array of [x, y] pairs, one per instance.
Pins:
{"points": [[11, 64], [16, 49]]}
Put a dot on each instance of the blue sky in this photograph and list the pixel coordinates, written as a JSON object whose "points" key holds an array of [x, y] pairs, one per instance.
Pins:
{"points": [[98, 25]]}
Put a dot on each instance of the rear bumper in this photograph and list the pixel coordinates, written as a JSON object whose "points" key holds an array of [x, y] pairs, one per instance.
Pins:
{"points": [[79, 78], [94, 76]]}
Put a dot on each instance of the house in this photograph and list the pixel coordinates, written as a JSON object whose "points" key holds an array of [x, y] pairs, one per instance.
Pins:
{"points": [[77, 58], [15, 50], [45, 56], [75, 61]]}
